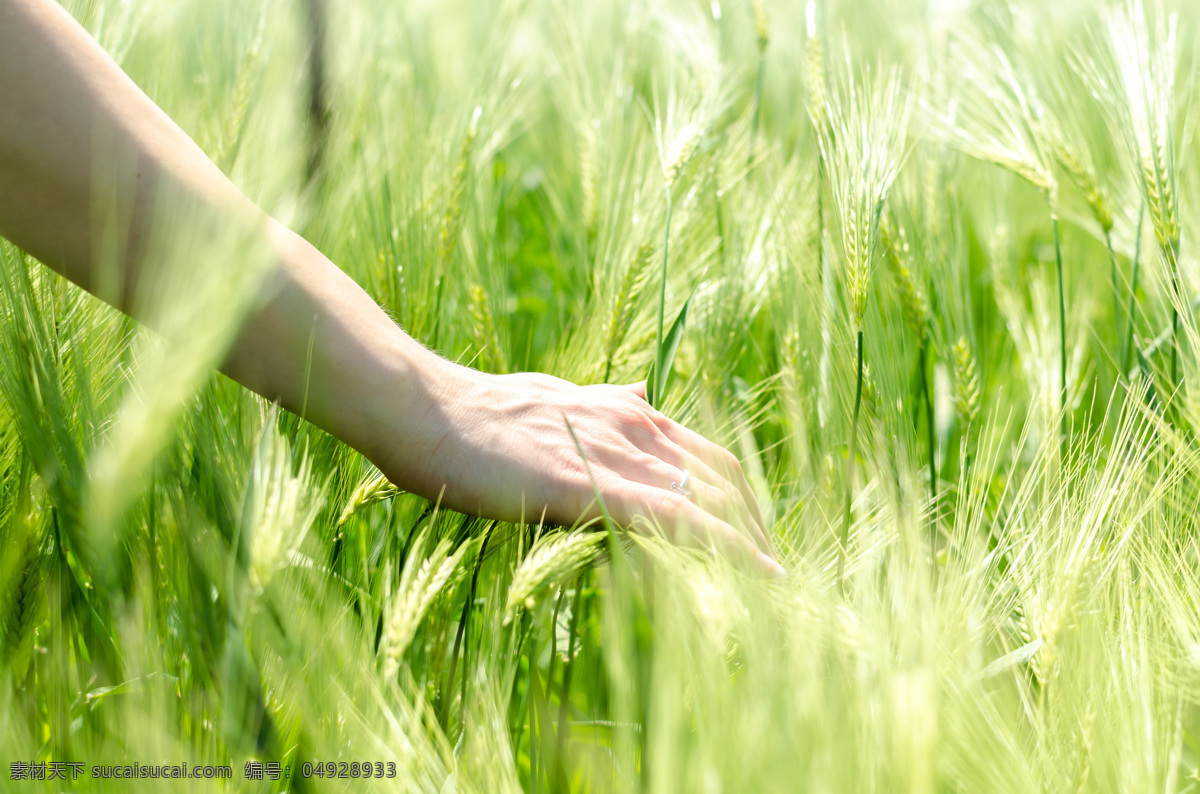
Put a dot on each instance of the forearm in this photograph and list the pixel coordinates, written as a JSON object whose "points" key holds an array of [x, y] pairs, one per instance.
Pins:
{"points": [[323, 348], [80, 143]]}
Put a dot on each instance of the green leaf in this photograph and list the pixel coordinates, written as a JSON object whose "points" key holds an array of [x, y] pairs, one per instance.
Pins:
{"points": [[660, 369]]}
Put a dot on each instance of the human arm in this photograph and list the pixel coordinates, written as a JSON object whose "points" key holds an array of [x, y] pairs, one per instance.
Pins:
{"points": [[495, 446]]}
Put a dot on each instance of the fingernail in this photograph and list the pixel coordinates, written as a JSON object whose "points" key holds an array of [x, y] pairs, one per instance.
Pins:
{"points": [[776, 570]]}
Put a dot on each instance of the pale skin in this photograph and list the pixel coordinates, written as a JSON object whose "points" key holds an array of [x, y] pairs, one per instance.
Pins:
{"points": [[494, 446]]}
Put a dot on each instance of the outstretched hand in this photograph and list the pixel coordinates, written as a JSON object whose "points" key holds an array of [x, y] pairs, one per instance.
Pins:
{"points": [[496, 446], [503, 450]]}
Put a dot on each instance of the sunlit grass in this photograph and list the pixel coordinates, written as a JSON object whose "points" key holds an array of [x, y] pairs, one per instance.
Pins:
{"points": [[1005, 490]]}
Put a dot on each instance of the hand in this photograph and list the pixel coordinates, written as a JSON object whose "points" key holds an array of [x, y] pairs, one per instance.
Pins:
{"points": [[504, 451]]}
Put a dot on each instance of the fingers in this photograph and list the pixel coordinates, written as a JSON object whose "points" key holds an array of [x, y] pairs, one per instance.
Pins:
{"points": [[751, 516], [717, 467], [664, 466], [720, 484], [686, 522], [717, 458], [714, 493], [720, 464]]}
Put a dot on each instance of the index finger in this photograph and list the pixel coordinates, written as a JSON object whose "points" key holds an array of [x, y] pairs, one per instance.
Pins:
{"points": [[685, 522], [719, 459]]}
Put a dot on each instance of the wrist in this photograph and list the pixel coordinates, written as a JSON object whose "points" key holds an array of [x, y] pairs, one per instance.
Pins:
{"points": [[409, 429], [327, 351]]}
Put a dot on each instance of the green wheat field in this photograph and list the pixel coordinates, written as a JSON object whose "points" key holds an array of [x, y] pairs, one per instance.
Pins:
{"points": [[942, 281]]}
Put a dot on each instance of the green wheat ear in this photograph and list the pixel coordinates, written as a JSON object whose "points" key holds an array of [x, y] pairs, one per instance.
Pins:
{"points": [[486, 337], [557, 558], [966, 382], [624, 304], [914, 306], [375, 488], [23, 604]]}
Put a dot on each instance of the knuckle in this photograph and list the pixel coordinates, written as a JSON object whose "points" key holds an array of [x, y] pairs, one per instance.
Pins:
{"points": [[636, 422], [719, 497], [668, 502], [661, 420]]}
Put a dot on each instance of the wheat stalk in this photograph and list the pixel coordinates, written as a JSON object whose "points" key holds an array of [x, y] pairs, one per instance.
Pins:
{"points": [[22, 600], [914, 307], [554, 558], [452, 218], [679, 152], [1083, 174], [814, 67], [1144, 57], [761, 33], [375, 488], [231, 140], [966, 383], [589, 175], [862, 149], [418, 587], [624, 304], [677, 143], [1131, 67], [279, 508], [487, 340], [998, 117]]}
